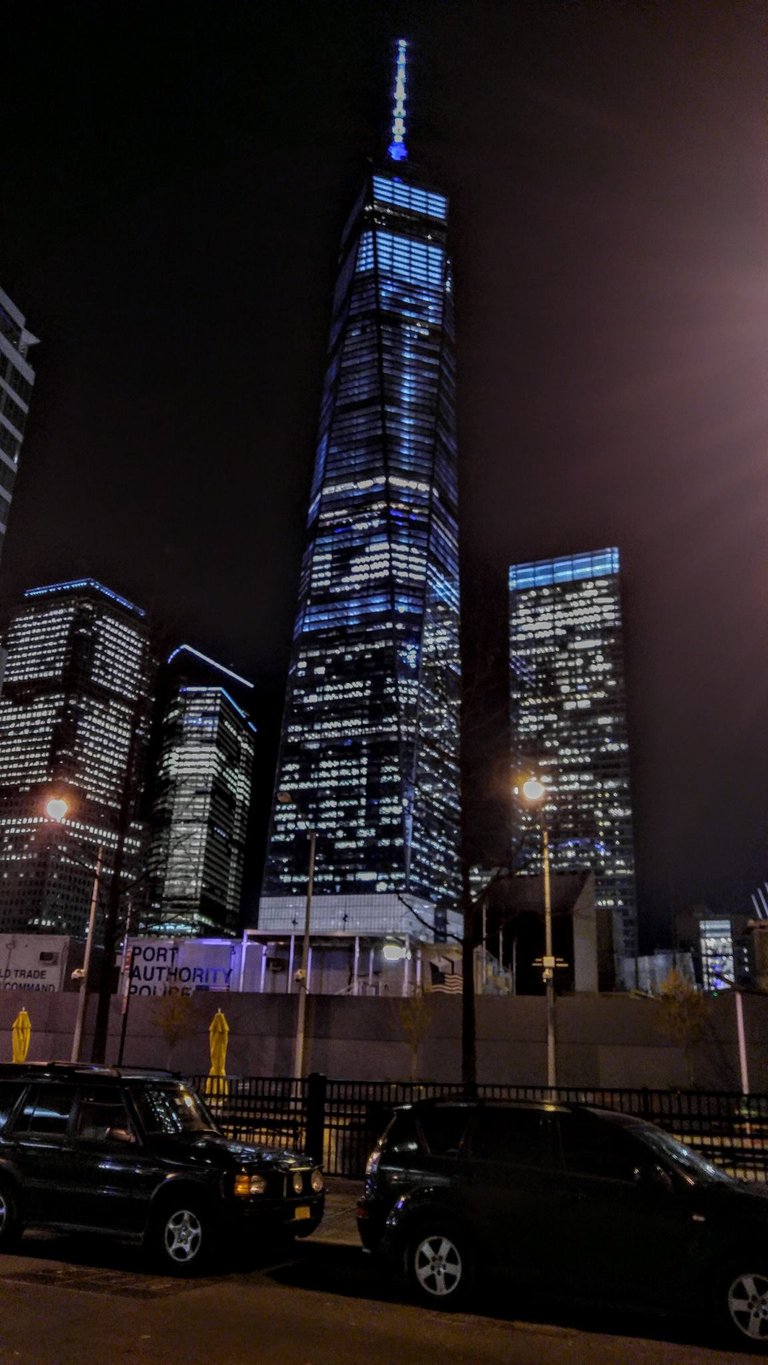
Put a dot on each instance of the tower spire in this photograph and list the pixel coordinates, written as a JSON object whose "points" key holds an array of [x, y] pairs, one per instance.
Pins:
{"points": [[397, 150]]}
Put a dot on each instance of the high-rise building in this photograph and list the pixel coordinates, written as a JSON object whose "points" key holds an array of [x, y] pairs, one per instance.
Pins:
{"points": [[73, 726], [569, 725], [16, 380], [369, 748], [201, 801]]}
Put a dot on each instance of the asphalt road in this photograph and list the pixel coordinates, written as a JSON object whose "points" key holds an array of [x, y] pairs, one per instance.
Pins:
{"points": [[66, 1301]]}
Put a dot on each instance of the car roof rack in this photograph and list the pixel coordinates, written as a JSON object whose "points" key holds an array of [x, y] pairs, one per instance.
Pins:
{"points": [[66, 1070], [488, 1101]]}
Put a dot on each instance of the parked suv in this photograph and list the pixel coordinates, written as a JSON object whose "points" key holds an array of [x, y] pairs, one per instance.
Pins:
{"points": [[586, 1201], [137, 1155]]}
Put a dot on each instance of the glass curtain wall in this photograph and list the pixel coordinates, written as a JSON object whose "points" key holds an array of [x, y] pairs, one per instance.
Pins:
{"points": [[569, 724], [369, 749]]}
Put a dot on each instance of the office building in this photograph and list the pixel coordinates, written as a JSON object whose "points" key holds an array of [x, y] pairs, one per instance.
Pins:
{"points": [[201, 800], [569, 727], [718, 954], [16, 380], [369, 755], [73, 726]]}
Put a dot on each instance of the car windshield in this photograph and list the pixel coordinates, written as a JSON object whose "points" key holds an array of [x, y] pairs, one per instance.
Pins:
{"points": [[688, 1163], [173, 1109]]}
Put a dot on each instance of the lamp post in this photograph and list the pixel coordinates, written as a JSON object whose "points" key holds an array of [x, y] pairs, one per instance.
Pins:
{"points": [[301, 973], [112, 911], [286, 798], [125, 1003], [57, 809], [535, 792], [82, 1001], [468, 1025]]}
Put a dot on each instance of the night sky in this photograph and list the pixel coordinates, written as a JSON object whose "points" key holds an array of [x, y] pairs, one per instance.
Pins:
{"points": [[175, 177]]}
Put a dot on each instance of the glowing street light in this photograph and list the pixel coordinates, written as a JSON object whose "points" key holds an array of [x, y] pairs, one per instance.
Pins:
{"points": [[534, 792], [394, 952], [56, 809]]}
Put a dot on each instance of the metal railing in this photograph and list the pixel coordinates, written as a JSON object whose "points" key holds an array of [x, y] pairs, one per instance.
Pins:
{"points": [[339, 1121]]}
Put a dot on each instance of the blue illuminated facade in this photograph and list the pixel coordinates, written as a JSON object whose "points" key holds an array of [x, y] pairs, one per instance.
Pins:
{"points": [[569, 726], [369, 749], [16, 380]]}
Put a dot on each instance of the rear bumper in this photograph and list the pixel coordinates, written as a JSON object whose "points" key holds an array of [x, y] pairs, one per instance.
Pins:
{"points": [[371, 1221]]}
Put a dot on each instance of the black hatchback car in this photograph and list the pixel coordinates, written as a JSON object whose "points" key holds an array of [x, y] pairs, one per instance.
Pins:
{"points": [[566, 1199], [137, 1155]]}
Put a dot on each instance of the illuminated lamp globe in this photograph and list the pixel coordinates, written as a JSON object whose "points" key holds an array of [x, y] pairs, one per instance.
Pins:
{"points": [[56, 809], [534, 790], [393, 952]]}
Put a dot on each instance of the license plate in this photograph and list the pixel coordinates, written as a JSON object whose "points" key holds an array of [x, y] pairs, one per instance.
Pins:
{"points": [[302, 1211]]}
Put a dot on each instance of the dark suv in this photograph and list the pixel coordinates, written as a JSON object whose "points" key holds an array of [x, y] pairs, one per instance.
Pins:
{"points": [[569, 1200], [137, 1155]]}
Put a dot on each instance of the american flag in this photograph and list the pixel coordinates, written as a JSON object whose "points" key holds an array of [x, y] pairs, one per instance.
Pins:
{"points": [[447, 982]]}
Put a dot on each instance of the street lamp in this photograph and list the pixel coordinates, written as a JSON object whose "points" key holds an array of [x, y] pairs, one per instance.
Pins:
{"points": [[301, 974], [57, 810], [534, 793], [286, 798]]}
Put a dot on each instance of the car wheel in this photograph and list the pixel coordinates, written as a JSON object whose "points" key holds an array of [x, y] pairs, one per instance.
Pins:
{"points": [[746, 1305], [180, 1237], [10, 1223], [439, 1267]]}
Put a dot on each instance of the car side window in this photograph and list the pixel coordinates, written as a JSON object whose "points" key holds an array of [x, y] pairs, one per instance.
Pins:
{"points": [[401, 1137], [443, 1130], [46, 1109], [521, 1137], [9, 1094], [598, 1149], [102, 1116]]}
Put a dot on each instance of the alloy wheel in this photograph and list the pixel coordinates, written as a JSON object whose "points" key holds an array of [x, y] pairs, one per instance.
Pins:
{"points": [[437, 1266], [182, 1236], [10, 1227], [748, 1306]]}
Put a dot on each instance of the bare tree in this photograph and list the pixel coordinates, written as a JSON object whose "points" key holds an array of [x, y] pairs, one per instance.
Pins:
{"points": [[174, 1017], [413, 1016], [684, 1015]]}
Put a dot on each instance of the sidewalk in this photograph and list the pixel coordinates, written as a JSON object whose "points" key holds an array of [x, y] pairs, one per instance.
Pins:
{"points": [[339, 1224]]}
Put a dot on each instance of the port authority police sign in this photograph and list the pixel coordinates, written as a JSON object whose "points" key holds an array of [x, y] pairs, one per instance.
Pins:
{"points": [[181, 966]]}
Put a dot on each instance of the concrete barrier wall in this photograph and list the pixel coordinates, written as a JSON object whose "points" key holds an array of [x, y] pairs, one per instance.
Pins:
{"points": [[602, 1040]]}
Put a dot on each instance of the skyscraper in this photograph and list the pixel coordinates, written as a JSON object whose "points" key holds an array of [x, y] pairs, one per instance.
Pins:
{"points": [[202, 797], [569, 724], [369, 747], [73, 724], [16, 380]]}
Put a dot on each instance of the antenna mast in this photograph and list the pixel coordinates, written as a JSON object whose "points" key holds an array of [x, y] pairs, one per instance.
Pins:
{"points": [[397, 150]]}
